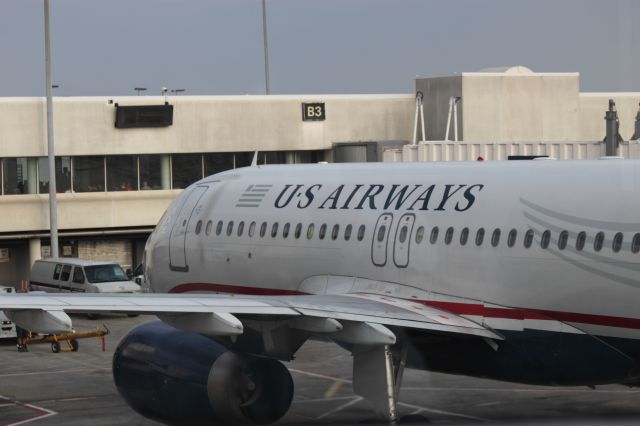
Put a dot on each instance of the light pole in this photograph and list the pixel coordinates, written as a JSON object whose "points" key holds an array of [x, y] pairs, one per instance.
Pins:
{"points": [[178, 91], [139, 89], [53, 208], [266, 48]]}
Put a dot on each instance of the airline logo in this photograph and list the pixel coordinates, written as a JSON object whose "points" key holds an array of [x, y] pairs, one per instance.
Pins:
{"points": [[453, 197], [253, 195]]}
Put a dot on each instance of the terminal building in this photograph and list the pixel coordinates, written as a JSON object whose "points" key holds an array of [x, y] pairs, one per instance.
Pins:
{"points": [[120, 161]]}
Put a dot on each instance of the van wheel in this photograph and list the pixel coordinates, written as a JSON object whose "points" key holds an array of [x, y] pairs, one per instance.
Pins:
{"points": [[55, 347], [92, 316], [74, 345]]}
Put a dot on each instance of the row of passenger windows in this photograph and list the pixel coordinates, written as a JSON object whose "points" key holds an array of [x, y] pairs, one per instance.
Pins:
{"points": [[449, 234]]}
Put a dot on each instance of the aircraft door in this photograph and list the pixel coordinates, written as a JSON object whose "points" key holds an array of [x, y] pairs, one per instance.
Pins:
{"points": [[177, 253], [402, 241], [380, 239]]}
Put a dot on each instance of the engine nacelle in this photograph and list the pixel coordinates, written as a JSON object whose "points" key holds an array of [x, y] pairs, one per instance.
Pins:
{"points": [[180, 377]]}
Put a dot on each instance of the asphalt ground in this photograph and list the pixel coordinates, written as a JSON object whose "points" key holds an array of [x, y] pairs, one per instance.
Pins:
{"points": [[76, 388]]}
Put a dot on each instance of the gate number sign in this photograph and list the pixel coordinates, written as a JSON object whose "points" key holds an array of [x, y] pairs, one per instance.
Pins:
{"points": [[313, 111]]}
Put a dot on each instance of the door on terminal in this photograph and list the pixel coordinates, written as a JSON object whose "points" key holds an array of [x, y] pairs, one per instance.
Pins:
{"points": [[380, 239], [402, 240], [177, 254]]}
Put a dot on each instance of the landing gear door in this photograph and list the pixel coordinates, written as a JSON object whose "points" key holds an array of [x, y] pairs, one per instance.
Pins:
{"points": [[380, 239], [177, 254], [402, 241]]}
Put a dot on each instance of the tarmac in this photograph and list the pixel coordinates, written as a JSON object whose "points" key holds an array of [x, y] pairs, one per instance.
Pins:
{"points": [[75, 388]]}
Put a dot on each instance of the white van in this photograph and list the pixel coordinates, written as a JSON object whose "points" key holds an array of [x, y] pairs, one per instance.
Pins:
{"points": [[66, 274], [7, 328]]}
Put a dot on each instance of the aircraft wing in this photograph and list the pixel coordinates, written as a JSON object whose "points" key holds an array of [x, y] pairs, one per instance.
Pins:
{"points": [[344, 316]]}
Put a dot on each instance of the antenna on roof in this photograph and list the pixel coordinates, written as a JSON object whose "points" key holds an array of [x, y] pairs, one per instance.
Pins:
{"points": [[254, 162]]}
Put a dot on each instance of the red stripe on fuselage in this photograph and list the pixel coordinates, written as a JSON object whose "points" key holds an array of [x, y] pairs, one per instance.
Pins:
{"points": [[457, 308]]}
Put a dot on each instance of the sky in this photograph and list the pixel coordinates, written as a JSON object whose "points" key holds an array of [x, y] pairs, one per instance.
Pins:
{"points": [[215, 47]]}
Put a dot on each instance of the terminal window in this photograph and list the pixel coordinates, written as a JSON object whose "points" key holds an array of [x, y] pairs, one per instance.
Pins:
{"points": [[88, 174], [122, 173], [186, 169]]}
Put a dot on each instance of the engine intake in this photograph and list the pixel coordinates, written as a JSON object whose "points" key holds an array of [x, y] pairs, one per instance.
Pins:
{"points": [[179, 377]]}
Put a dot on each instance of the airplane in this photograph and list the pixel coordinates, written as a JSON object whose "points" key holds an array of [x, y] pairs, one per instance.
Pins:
{"points": [[520, 271]]}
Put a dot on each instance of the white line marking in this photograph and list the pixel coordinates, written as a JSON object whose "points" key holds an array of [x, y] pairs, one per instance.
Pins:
{"points": [[43, 412], [545, 389], [446, 413], [311, 400], [40, 373], [319, 376], [339, 408]]}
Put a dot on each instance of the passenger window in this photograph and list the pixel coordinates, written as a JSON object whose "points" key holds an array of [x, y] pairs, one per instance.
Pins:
{"points": [[562, 240], [298, 230], [635, 243], [263, 229], [464, 236], [599, 241], [448, 236], [420, 235], [479, 237], [207, 230], [322, 231], [198, 227], [66, 271], [252, 229], [285, 230], [274, 230], [546, 238], [580, 240], [434, 235], [335, 231], [56, 271], [381, 232], [495, 237], [229, 228], [403, 233], [310, 231], [511, 238], [219, 228], [617, 242], [361, 231], [528, 238], [240, 229], [347, 232], [78, 275]]}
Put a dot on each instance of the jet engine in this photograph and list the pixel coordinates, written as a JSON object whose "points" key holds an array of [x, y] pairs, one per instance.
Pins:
{"points": [[178, 377]]}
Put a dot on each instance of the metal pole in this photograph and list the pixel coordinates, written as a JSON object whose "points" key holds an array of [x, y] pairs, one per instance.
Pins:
{"points": [[266, 48], [611, 141], [53, 208]]}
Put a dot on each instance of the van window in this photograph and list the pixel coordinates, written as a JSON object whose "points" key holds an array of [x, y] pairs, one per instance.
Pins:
{"points": [[78, 275], [105, 273], [66, 272], [56, 271]]}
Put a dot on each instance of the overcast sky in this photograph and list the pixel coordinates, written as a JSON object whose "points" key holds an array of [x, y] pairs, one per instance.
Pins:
{"points": [[108, 47]]}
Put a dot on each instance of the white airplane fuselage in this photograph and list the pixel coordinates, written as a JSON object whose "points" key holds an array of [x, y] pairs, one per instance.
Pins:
{"points": [[564, 300]]}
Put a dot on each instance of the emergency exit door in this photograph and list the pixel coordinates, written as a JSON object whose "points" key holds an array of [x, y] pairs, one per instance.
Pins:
{"points": [[380, 239], [177, 253], [402, 240]]}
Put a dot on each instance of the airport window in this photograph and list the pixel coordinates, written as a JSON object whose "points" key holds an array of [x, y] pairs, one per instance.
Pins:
{"points": [[185, 169], [198, 227], [598, 242], [511, 238], [403, 234], [275, 157], [545, 239], [434, 235], [420, 235], [240, 229], [310, 231], [19, 176], [122, 173], [88, 174], [263, 229], [335, 231], [617, 242], [635, 243], [216, 163], [229, 228], [207, 230], [361, 231], [152, 168], [580, 240], [562, 240], [347, 232], [56, 271], [528, 238], [323, 231], [252, 229], [448, 235], [298, 230], [63, 174], [78, 275], [495, 237], [381, 231], [219, 228], [66, 272], [464, 236], [243, 159], [274, 230], [285, 230], [479, 237]]}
